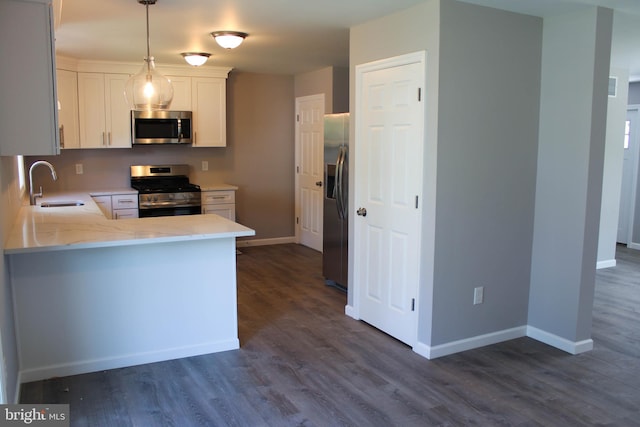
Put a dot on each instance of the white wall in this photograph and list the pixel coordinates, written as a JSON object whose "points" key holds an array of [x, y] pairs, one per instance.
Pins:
{"points": [[612, 175], [575, 71]]}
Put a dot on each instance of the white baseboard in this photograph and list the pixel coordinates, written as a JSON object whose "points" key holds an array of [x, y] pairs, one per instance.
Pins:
{"points": [[634, 246], [265, 242], [86, 366], [469, 343], [606, 264], [572, 347]]}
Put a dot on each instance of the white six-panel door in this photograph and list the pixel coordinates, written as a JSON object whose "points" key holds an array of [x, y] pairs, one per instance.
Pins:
{"points": [[388, 190], [309, 169]]}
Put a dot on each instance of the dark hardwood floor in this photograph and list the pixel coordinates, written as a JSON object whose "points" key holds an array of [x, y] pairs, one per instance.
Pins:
{"points": [[303, 362]]}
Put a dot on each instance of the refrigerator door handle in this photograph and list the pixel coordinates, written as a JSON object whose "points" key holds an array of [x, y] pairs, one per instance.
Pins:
{"points": [[340, 183]]}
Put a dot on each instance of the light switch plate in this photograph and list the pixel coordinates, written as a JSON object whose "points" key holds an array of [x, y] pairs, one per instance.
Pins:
{"points": [[79, 169], [205, 165]]}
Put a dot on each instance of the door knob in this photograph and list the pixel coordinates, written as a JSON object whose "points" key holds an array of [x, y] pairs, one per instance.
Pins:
{"points": [[319, 183], [362, 212]]}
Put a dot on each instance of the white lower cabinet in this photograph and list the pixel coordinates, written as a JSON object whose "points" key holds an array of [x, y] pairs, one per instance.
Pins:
{"points": [[220, 202], [118, 206]]}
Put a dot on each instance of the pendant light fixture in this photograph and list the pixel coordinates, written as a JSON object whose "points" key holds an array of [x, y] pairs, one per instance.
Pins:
{"points": [[148, 89], [229, 39]]}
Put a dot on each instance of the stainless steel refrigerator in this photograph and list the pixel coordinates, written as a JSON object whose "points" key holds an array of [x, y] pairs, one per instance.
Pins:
{"points": [[336, 179]]}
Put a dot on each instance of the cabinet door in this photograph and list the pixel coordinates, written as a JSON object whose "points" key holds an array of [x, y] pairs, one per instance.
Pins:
{"points": [[67, 82], [208, 100], [91, 105], [27, 79], [125, 213], [181, 93], [226, 211], [118, 114]]}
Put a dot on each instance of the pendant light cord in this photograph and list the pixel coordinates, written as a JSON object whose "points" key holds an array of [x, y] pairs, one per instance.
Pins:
{"points": [[148, 47]]}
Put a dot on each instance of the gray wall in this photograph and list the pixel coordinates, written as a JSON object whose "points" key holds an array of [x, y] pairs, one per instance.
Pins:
{"points": [[634, 93], [487, 149], [480, 158], [333, 82], [576, 53], [259, 157]]}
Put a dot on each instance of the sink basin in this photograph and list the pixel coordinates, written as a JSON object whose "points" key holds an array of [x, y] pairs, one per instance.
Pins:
{"points": [[62, 204]]}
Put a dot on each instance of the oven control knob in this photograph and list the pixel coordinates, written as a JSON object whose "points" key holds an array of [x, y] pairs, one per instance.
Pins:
{"points": [[170, 196]]}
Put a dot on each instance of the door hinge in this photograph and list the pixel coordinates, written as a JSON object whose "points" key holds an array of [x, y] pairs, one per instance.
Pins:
{"points": [[297, 117], [419, 94], [297, 220], [297, 169], [416, 202], [413, 304]]}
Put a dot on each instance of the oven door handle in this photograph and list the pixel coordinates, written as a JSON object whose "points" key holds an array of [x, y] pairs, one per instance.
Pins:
{"points": [[144, 205]]}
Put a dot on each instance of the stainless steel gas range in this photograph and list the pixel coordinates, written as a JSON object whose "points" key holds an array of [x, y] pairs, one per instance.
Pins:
{"points": [[165, 190]]}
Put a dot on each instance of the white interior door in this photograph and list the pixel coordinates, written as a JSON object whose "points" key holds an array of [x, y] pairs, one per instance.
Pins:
{"points": [[629, 168], [309, 169], [388, 187]]}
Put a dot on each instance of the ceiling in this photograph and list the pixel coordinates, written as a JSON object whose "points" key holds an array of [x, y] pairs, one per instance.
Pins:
{"points": [[285, 36]]}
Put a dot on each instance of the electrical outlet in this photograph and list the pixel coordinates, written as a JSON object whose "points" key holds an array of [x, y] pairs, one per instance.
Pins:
{"points": [[478, 295], [205, 165], [79, 169]]}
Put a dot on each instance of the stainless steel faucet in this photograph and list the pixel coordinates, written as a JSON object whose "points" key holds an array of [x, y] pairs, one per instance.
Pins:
{"points": [[33, 196]]}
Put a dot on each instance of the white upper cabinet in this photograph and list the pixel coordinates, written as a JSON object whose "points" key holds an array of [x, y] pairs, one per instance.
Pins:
{"points": [[208, 99], [27, 79], [181, 93], [105, 118], [68, 128]]}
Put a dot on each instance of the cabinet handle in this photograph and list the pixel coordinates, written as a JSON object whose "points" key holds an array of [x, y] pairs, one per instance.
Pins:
{"points": [[109, 138], [103, 138], [61, 136]]}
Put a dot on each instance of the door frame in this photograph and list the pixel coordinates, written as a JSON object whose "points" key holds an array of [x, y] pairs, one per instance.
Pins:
{"points": [[297, 201], [353, 310]]}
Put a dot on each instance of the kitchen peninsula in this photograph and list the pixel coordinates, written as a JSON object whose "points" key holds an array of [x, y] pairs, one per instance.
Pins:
{"points": [[92, 293]]}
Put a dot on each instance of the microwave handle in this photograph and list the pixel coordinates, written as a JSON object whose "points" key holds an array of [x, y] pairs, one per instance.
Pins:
{"points": [[179, 130]]}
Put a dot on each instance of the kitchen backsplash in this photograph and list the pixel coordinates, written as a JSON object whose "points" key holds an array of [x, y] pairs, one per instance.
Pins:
{"points": [[109, 168]]}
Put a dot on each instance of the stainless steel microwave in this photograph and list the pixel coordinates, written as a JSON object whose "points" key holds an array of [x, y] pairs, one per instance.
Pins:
{"points": [[161, 127]]}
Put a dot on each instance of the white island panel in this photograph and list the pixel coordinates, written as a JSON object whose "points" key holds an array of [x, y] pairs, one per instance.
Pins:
{"points": [[100, 308]]}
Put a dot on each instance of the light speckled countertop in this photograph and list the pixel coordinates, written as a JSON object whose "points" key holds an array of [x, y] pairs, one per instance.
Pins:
{"points": [[39, 229]]}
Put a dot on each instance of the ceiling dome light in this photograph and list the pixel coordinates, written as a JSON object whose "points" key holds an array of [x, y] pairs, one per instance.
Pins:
{"points": [[148, 89], [229, 39], [196, 58]]}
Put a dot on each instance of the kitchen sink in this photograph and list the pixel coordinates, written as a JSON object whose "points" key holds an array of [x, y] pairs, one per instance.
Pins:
{"points": [[62, 204]]}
